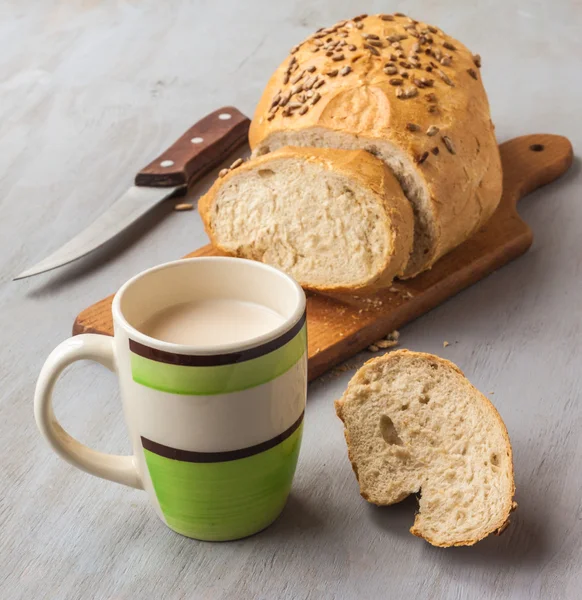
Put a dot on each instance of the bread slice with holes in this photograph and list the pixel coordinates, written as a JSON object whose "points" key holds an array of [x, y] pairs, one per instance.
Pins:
{"points": [[414, 424], [335, 220]]}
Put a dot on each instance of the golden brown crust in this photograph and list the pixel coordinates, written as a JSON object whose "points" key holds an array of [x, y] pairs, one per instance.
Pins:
{"points": [[503, 522], [359, 166], [463, 181]]}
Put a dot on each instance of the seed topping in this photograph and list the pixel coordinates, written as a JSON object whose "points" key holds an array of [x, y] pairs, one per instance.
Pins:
{"points": [[422, 158], [445, 78], [373, 50], [449, 144]]}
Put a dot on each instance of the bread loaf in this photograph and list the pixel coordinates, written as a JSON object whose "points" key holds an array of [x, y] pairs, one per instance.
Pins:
{"points": [[407, 93], [336, 220], [413, 423]]}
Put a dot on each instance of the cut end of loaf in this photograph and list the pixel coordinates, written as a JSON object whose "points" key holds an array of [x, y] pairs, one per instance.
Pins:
{"points": [[413, 423], [397, 161], [300, 210]]}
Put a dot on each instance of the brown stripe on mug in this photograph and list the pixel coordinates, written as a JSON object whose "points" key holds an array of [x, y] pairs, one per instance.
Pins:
{"points": [[213, 360], [213, 457]]}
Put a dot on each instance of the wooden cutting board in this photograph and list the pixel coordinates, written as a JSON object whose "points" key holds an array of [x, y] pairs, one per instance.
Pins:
{"points": [[338, 328]]}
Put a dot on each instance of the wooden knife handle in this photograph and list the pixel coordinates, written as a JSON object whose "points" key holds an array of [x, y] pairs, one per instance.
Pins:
{"points": [[201, 148]]}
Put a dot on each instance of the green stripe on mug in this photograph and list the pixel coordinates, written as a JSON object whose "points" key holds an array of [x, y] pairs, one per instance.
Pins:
{"points": [[223, 379], [219, 501]]}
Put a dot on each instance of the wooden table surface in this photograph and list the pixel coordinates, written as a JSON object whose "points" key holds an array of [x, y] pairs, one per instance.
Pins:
{"points": [[89, 93]]}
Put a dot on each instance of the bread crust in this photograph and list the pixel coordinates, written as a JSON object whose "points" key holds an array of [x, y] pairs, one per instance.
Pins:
{"points": [[463, 181], [510, 505], [357, 165]]}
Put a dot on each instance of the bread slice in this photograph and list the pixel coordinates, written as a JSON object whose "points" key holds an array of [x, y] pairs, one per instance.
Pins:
{"points": [[409, 94], [414, 423], [335, 220]]}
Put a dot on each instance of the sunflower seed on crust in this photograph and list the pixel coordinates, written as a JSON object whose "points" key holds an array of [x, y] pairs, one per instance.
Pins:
{"points": [[373, 50], [449, 144], [297, 77], [445, 78], [422, 158], [285, 98]]}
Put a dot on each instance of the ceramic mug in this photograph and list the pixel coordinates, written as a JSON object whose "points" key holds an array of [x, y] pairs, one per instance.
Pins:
{"points": [[215, 431]]}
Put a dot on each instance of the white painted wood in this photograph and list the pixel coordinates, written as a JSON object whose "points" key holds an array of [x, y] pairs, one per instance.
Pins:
{"points": [[90, 92]]}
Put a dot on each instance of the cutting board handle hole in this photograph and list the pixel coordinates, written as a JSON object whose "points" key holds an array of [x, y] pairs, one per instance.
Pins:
{"points": [[537, 147]]}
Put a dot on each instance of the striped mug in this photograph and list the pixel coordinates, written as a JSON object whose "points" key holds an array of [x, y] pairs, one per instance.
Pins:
{"points": [[215, 430]]}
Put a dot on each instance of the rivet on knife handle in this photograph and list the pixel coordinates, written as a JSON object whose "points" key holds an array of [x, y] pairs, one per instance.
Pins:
{"points": [[200, 149]]}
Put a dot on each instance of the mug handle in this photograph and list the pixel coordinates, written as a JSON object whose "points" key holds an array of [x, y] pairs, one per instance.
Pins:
{"points": [[99, 348]]}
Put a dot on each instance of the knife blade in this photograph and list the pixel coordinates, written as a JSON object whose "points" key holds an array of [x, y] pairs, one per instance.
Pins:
{"points": [[202, 147]]}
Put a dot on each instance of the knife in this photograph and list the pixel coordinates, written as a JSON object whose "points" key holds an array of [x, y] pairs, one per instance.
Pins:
{"points": [[201, 148]]}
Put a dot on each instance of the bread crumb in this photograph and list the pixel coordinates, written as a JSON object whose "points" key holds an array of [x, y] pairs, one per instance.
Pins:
{"points": [[386, 344], [445, 344], [389, 341]]}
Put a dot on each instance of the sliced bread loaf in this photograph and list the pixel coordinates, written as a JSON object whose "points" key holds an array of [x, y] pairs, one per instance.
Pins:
{"points": [[414, 423], [409, 94], [335, 220]]}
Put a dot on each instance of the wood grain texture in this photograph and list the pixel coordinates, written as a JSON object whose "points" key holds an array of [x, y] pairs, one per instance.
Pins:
{"points": [[201, 148], [90, 92], [339, 327]]}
